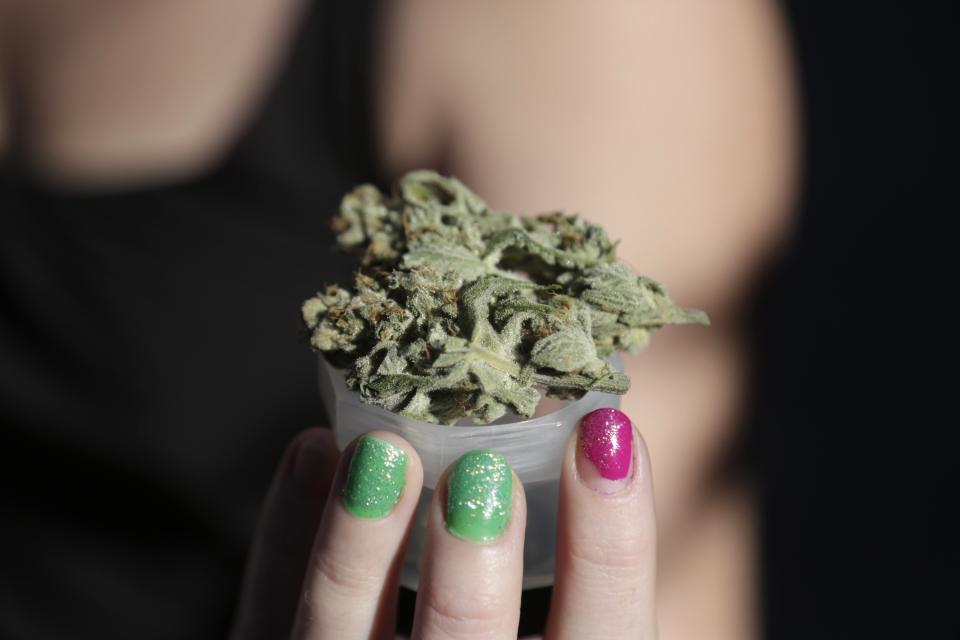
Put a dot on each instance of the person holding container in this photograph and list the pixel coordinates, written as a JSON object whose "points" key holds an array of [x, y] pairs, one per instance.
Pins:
{"points": [[167, 171]]}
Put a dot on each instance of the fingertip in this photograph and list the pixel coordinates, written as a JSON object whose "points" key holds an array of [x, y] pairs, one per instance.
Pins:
{"points": [[414, 464], [381, 474], [312, 456], [313, 434], [480, 496], [607, 454], [517, 526]]}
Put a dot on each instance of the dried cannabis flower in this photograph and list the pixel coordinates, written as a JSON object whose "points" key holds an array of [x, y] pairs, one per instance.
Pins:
{"points": [[461, 311]]}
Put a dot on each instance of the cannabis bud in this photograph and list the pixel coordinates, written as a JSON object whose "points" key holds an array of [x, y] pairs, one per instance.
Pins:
{"points": [[458, 310]]}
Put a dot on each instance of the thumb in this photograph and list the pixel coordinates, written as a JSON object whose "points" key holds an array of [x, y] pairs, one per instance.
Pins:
{"points": [[288, 523]]}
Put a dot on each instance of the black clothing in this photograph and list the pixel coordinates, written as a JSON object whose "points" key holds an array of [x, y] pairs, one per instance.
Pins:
{"points": [[152, 369]]}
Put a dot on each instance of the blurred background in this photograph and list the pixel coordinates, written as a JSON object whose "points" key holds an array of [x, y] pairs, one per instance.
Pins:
{"points": [[167, 175]]}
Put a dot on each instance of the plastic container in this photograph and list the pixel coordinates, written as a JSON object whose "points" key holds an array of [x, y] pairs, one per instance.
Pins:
{"points": [[533, 447]]}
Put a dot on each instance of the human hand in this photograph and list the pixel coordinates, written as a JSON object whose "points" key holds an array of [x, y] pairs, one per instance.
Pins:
{"points": [[328, 568]]}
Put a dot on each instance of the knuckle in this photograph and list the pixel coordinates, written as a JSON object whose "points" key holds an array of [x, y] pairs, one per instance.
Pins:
{"points": [[336, 575], [463, 615], [615, 559]]}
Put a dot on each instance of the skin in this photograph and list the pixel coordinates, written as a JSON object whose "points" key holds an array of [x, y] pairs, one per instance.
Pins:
{"points": [[667, 121], [346, 573]]}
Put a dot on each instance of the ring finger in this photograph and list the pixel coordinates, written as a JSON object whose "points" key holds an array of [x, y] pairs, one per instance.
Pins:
{"points": [[472, 569]]}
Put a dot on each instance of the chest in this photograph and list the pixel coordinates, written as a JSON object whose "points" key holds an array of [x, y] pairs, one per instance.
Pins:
{"points": [[114, 91]]}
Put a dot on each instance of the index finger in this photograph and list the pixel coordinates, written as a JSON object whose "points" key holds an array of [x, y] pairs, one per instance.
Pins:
{"points": [[349, 590]]}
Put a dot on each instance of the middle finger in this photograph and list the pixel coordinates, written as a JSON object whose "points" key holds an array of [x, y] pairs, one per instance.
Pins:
{"points": [[472, 568]]}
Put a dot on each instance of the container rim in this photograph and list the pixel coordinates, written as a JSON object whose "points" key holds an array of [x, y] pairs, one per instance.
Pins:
{"points": [[345, 394]]}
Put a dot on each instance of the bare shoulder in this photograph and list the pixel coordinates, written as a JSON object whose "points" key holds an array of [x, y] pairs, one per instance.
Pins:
{"points": [[138, 90], [670, 121]]}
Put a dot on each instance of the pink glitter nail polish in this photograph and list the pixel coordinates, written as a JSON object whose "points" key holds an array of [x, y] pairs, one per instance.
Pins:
{"points": [[606, 441]]}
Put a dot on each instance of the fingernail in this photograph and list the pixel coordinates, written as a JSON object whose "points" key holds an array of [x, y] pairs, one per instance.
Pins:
{"points": [[479, 496], [375, 479], [605, 457]]}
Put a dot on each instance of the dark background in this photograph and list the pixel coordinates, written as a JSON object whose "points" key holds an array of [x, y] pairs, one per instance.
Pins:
{"points": [[853, 342]]}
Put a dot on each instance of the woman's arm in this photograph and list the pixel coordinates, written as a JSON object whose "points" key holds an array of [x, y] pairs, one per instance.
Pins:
{"points": [[670, 123]]}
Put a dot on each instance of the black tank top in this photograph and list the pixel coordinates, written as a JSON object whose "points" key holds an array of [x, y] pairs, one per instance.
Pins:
{"points": [[152, 367]]}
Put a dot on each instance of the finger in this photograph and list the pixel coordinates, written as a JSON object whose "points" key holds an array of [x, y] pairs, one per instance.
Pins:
{"points": [[288, 523], [471, 573], [606, 538], [351, 587]]}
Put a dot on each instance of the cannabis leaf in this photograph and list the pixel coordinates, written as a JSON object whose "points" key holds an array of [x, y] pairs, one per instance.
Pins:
{"points": [[461, 311]]}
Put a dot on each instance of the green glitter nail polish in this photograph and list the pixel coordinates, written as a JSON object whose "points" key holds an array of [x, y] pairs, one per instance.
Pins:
{"points": [[479, 496], [375, 480]]}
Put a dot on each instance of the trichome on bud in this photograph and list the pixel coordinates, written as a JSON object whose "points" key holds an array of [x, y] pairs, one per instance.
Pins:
{"points": [[460, 311]]}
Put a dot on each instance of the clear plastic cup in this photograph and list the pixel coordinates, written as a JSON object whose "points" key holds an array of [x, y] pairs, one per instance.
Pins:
{"points": [[533, 447]]}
